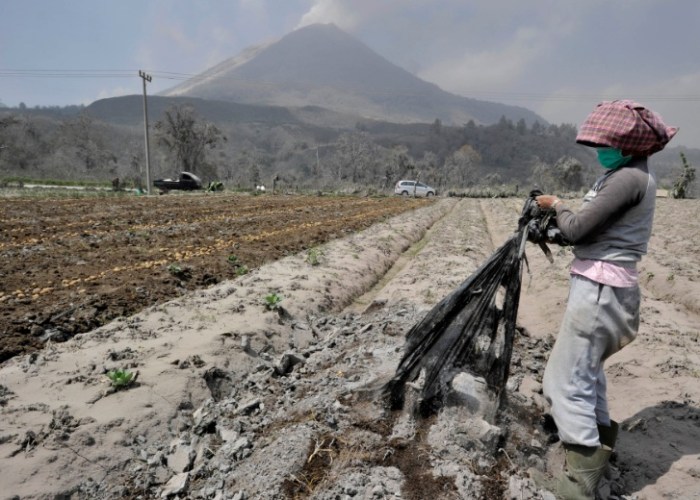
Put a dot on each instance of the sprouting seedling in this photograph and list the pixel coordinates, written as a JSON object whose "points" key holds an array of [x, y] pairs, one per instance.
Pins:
{"points": [[179, 271], [121, 379], [239, 268], [313, 256], [272, 301]]}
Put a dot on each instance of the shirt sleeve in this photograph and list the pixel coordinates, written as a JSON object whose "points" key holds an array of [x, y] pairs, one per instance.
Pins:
{"points": [[619, 191]]}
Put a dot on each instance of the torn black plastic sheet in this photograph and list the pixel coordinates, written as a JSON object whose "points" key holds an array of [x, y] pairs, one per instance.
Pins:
{"points": [[466, 331]]}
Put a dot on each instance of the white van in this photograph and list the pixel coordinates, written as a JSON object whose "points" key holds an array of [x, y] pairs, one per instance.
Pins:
{"points": [[413, 188]]}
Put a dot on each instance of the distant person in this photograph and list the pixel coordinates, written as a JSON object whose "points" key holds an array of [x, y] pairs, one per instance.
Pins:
{"points": [[609, 234]]}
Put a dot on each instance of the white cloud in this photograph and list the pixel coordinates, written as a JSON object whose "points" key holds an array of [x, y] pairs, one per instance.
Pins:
{"points": [[253, 5], [218, 43], [330, 11], [350, 14], [255, 9], [175, 35], [489, 70]]}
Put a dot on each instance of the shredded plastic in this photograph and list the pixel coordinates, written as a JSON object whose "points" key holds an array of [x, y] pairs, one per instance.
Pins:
{"points": [[469, 330]]}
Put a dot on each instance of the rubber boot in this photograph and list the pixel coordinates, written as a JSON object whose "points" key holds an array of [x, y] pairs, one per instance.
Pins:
{"points": [[585, 467], [608, 434]]}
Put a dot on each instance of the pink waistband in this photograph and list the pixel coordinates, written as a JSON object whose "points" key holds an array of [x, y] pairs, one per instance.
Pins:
{"points": [[606, 272]]}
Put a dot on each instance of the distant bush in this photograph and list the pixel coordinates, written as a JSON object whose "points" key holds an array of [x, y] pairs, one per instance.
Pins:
{"points": [[486, 192], [13, 180]]}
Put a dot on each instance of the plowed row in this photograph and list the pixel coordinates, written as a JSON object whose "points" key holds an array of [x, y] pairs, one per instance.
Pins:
{"points": [[70, 265]]}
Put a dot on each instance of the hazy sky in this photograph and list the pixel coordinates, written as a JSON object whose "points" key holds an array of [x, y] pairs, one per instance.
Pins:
{"points": [[555, 57]]}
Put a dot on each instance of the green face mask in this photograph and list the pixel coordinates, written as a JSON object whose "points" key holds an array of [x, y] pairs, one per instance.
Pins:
{"points": [[612, 158]]}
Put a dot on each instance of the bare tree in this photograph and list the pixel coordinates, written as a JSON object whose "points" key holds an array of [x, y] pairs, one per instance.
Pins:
{"points": [[543, 178], [432, 174], [460, 166], [9, 148], [187, 139], [353, 157], [402, 163], [81, 138], [568, 172]]}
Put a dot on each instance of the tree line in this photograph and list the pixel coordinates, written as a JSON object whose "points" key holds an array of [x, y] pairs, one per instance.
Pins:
{"points": [[68, 143]]}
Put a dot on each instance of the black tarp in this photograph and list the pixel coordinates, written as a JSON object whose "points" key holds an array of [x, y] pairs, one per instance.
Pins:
{"points": [[473, 328]]}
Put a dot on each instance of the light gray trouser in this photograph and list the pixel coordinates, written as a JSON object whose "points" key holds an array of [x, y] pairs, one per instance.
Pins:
{"points": [[599, 321]]}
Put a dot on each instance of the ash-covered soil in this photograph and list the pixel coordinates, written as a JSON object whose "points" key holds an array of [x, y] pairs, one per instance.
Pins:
{"points": [[236, 399], [70, 265]]}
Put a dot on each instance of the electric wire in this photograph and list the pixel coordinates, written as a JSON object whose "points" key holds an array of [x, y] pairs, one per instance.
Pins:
{"points": [[511, 96]]}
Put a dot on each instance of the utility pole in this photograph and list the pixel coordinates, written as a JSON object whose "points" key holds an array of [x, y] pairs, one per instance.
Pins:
{"points": [[146, 78], [318, 161], [318, 164]]}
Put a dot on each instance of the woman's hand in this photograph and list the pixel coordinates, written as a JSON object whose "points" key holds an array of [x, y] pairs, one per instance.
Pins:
{"points": [[547, 201]]}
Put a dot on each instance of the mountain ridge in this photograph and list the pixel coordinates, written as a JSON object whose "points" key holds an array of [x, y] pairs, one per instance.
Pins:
{"points": [[323, 66]]}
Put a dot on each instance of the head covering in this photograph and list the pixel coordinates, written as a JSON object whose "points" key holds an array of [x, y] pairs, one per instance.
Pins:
{"points": [[625, 125]]}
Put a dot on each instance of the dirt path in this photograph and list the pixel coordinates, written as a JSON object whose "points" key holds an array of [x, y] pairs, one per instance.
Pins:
{"points": [[235, 400]]}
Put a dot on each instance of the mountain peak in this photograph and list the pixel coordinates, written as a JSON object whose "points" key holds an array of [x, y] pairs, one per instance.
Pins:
{"points": [[322, 65]]}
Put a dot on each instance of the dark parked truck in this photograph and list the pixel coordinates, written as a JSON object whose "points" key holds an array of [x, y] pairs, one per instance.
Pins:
{"points": [[187, 182]]}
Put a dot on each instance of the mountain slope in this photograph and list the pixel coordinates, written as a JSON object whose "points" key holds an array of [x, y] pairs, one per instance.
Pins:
{"points": [[128, 110], [323, 66]]}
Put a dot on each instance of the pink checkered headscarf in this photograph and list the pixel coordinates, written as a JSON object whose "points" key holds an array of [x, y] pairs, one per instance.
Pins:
{"points": [[625, 125]]}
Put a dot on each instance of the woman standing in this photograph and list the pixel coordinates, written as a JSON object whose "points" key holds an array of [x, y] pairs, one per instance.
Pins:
{"points": [[610, 234]]}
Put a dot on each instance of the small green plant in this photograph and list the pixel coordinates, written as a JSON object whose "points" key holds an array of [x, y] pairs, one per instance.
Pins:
{"points": [[239, 268], [272, 301], [179, 271], [215, 186], [121, 379], [313, 256], [174, 269]]}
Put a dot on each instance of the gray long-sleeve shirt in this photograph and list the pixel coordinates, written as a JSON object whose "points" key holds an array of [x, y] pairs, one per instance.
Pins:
{"points": [[615, 220]]}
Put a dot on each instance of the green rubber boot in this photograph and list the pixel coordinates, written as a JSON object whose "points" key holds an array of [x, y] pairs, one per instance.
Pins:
{"points": [[585, 467]]}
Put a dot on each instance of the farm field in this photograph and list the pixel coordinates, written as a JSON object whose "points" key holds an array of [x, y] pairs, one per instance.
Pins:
{"points": [[69, 265], [236, 399]]}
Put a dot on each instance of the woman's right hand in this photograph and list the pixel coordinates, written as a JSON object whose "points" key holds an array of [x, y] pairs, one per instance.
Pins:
{"points": [[547, 201]]}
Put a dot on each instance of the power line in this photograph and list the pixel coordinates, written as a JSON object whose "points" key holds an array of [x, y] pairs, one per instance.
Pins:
{"points": [[574, 97], [196, 78], [64, 73]]}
